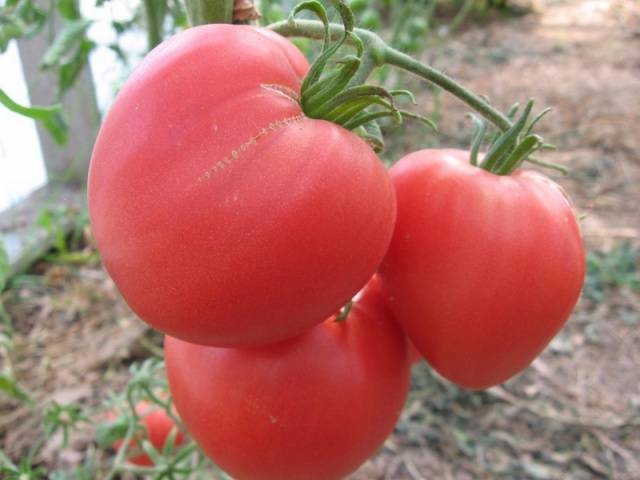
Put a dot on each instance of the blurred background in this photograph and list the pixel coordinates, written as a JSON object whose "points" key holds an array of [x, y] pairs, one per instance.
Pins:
{"points": [[67, 338]]}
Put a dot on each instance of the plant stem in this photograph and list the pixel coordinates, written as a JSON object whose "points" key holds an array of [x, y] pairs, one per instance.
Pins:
{"points": [[405, 62], [154, 11], [202, 12], [378, 53]]}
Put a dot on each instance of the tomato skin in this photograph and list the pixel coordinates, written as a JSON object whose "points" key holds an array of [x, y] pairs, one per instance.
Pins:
{"points": [[220, 211], [373, 296], [313, 407], [483, 270], [158, 425]]}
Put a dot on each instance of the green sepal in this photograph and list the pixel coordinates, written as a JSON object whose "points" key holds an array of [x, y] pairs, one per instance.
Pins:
{"points": [[505, 141]]}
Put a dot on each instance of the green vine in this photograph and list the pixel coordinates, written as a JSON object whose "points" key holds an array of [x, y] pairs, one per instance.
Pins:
{"points": [[343, 97]]}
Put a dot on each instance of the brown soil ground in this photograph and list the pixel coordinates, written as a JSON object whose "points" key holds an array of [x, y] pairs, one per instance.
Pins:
{"points": [[574, 414]]}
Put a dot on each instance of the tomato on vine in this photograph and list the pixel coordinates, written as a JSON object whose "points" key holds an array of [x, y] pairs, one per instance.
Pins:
{"points": [[483, 269], [224, 214], [314, 407]]}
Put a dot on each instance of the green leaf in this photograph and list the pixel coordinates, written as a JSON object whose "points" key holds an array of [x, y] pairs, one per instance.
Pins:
{"points": [[108, 433], [50, 117], [57, 128], [67, 39], [68, 9], [37, 113], [19, 19], [70, 70], [4, 267], [9, 386]]}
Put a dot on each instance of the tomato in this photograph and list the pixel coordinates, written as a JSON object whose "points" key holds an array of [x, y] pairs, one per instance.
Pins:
{"points": [[483, 270], [312, 407], [374, 297], [223, 214], [158, 426]]}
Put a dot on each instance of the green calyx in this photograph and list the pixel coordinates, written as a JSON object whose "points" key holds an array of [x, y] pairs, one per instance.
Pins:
{"points": [[508, 150], [330, 93]]}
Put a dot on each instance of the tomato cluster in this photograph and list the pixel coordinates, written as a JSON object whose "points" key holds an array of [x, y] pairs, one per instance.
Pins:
{"points": [[239, 227]]}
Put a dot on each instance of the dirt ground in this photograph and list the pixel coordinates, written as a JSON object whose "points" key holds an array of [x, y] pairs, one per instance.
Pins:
{"points": [[574, 414]]}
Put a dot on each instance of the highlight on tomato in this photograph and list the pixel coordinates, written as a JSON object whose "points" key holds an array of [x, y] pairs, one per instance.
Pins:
{"points": [[484, 268], [225, 214], [312, 407]]}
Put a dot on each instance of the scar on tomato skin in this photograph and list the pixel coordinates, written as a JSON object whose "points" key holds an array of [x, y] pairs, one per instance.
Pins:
{"points": [[244, 146], [286, 92]]}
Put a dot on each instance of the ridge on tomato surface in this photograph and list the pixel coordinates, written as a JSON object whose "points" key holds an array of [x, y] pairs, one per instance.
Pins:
{"points": [[311, 408], [223, 213], [483, 269]]}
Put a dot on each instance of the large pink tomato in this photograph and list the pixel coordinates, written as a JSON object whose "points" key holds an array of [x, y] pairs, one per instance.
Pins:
{"points": [[310, 408], [483, 270], [223, 214]]}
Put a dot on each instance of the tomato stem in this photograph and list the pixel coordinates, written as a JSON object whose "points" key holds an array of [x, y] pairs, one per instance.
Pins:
{"points": [[154, 13], [378, 53], [344, 312], [202, 12]]}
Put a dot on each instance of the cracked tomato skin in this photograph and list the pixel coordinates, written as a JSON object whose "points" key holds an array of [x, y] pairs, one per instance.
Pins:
{"points": [[311, 408], [483, 270], [219, 209]]}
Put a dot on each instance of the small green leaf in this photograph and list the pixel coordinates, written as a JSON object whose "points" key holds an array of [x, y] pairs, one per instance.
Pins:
{"points": [[108, 433], [68, 9], [50, 117], [9, 386], [71, 69], [72, 35], [57, 128], [4, 267], [37, 113]]}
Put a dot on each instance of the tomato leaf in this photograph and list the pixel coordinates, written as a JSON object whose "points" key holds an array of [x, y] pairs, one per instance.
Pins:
{"points": [[68, 9], [72, 35], [71, 69], [4, 267], [9, 386], [50, 116], [108, 433]]}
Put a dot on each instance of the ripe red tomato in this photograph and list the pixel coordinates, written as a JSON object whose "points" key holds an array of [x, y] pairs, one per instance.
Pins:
{"points": [[374, 297], [483, 270], [223, 214], [313, 407], [158, 426]]}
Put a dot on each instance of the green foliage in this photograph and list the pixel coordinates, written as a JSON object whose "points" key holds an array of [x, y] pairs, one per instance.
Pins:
{"points": [[69, 53], [68, 9], [62, 417], [19, 18], [52, 220], [9, 386], [606, 271], [4, 267], [51, 117], [66, 226], [24, 471]]}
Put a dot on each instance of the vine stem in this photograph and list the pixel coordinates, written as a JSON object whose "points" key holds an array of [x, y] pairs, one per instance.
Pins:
{"points": [[154, 11], [378, 53], [201, 12]]}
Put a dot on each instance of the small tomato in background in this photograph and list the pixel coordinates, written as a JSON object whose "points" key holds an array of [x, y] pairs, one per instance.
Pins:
{"points": [[314, 407], [157, 424], [483, 269]]}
